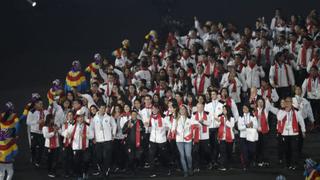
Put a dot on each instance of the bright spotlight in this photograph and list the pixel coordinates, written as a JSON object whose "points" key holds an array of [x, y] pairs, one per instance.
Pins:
{"points": [[33, 3]]}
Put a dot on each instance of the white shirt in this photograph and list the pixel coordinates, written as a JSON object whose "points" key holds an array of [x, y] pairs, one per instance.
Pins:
{"points": [[145, 116], [33, 121], [77, 139], [283, 79], [308, 58], [157, 133], [197, 84], [304, 107], [208, 122], [182, 128], [47, 135], [242, 125], [315, 88], [252, 76], [274, 95], [142, 74], [215, 109], [288, 129], [229, 124], [104, 127]]}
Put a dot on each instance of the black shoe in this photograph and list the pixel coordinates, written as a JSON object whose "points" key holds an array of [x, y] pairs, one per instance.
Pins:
{"points": [[209, 167]]}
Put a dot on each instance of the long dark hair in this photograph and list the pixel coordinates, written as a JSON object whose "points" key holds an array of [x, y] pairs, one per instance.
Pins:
{"points": [[47, 122]]}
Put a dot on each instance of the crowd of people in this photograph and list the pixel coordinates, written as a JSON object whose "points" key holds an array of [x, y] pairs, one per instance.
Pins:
{"points": [[189, 102]]}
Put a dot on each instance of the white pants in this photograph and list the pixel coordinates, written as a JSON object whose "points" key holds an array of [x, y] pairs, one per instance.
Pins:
{"points": [[6, 168]]}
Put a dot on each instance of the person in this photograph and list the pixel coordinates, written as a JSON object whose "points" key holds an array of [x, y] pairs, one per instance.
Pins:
{"points": [[79, 134], [261, 112], [183, 127], [75, 78], [158, 138], [104, 130], [289, 129], [66, 147], [200, 81], [214, 108], [310, 89], [248, 127], [118, 150], [253, 73], [135, 131], [205, 119], [51, 134], [303, 105], [9, 128], [281, 76], [225, 123], [35, 120]]}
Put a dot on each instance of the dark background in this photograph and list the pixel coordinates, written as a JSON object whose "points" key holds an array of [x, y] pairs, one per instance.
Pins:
{"points": [[38, 44]]}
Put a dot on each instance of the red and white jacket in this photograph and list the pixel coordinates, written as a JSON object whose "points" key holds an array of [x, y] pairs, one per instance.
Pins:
{"points": [[205, 120], [51, 138], [184, 129], [80, 135], [289, 122], [225, 128], [200, 84]]}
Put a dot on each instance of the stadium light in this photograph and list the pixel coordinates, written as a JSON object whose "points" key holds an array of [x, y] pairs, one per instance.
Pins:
{"points": [[33, 3]]}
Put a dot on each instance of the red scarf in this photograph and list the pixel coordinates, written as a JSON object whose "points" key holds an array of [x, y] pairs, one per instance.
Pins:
{"points": [[263, 121], [294, 123], [204, 117], [53, 139], [84, 135], [194, 133], [251, 65], [138, 134], [229, 102], [41, 117], [221, 130], [156, 118], [276, 77], [293, 47], [66, 143], [234, 87], [215, 72], [304, 56], [267, 55], [171, 135], [310, 82], [268, 92], [315, 62], [201, 85]]}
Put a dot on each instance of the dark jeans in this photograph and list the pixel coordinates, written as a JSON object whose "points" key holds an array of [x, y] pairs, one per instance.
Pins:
{"points": [[261, 147], [291, 149], [226, 153], [81, 159], [134, 156], [202, 154], [154, 149], [104, 155], [37, 146], [52, 159], [214, 144], [280, 141], [248, 152], [67, 154], [119, 154]]}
